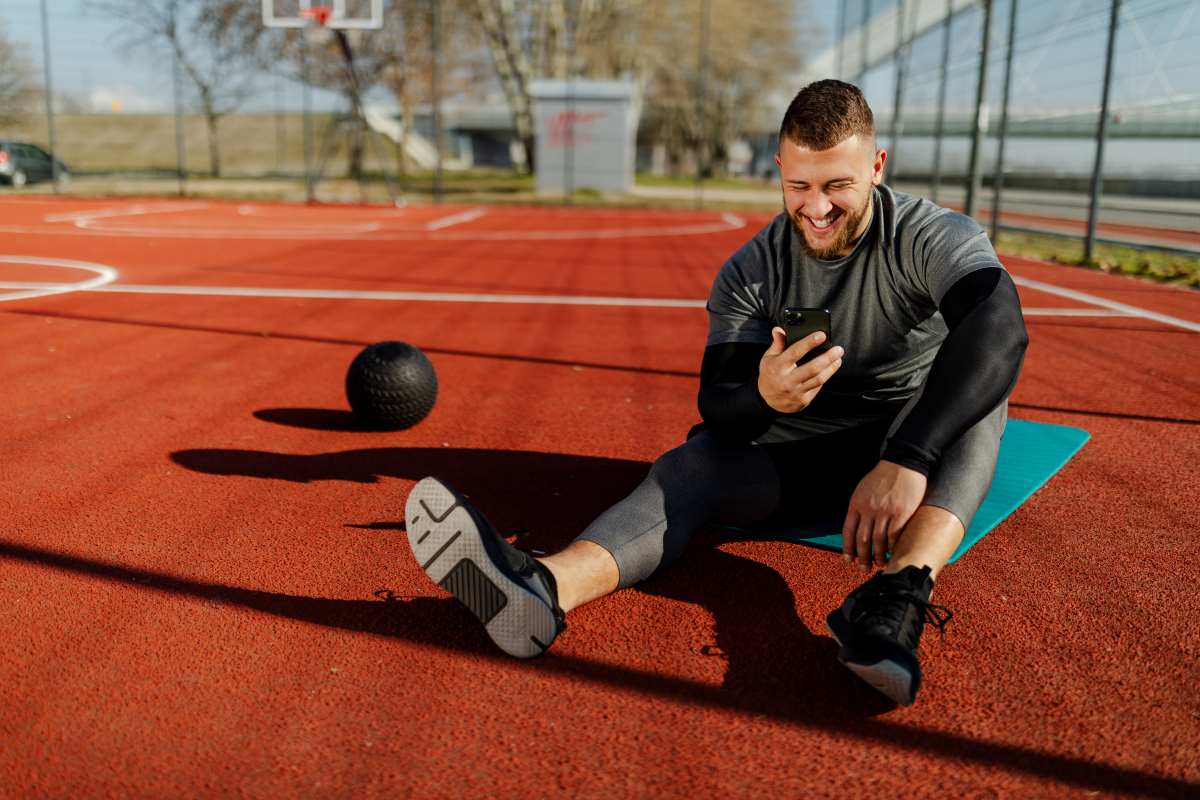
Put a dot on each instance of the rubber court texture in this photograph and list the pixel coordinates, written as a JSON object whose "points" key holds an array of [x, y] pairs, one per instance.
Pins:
{"points": [[205, 588]]}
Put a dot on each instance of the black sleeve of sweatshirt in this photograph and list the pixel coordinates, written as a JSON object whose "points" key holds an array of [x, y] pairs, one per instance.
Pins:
{"points": [[729, 402], [976, 368]]}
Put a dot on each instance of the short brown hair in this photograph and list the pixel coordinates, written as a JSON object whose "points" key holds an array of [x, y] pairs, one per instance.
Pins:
{"points": [[826, 112]]}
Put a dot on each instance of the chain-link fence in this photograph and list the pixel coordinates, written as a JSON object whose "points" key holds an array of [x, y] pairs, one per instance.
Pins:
{"points": [[1080, 100]]}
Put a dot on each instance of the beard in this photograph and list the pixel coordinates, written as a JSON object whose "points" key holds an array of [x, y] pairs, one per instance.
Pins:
{"points": [[846, 235]]}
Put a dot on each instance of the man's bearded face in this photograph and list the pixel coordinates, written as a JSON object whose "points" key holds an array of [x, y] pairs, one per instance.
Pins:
{"points": [[827, 193]]}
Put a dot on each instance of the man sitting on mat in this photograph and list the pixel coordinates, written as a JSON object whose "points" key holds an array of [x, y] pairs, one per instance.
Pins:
{"points": [[897, 426]]}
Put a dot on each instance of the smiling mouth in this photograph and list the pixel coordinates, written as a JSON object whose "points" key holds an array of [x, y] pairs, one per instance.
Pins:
{"points": [[825, 223]]}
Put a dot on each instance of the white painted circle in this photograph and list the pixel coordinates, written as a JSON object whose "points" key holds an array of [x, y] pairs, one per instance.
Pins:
{"points": [[25, 290], [115, 221]]}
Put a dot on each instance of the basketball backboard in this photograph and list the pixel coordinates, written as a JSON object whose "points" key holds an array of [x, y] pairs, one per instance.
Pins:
{"points": [[350, 14]]}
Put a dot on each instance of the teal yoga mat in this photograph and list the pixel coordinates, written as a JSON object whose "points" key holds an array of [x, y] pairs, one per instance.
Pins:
{"points": [[1030, 454]]}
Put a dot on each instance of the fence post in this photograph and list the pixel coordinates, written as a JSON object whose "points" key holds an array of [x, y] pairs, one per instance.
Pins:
{"points": [[1089, 243], [998, 177], [701, 92], [936, 176], [975, 170], [862, 40], [180, 167], [901, 69], [436, 91], [49, 95], [841, 40], [310, 188], [280, 135]]}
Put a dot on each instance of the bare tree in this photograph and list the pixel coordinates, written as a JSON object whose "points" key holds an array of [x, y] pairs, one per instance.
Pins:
{"points": [[216, 67], [408, 73], [700, 96], [16, 78], [509, 35], [658, 45]]}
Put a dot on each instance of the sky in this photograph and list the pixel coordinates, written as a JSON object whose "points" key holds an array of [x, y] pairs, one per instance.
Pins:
{"points": [[87, 65]]}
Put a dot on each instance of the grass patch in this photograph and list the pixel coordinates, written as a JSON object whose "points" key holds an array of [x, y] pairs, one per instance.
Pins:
{"points": [[1179, 269], [689, 182]]}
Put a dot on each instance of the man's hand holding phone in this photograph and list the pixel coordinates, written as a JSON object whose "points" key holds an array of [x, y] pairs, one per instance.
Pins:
{"points": [[789, 387]]}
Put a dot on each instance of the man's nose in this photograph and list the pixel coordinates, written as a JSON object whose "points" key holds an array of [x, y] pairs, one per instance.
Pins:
{"points": [[816, 205]]}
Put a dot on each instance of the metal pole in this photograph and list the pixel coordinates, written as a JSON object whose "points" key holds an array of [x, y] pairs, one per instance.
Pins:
{"points": [[975, 169], [841, 38], [1089, 243], [897, 100], [701, 92], [49, 95], [179, 143], [436, 91], [862, 40], [936, 178], [998, 178], [280, 139], [569, 133], [310, 189]]}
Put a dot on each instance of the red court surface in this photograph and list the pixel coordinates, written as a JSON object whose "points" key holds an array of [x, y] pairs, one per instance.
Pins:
{"points": [[205, 588]]}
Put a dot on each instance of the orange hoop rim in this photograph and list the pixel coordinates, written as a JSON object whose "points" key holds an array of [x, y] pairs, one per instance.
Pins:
{"points": [[318, 14]]}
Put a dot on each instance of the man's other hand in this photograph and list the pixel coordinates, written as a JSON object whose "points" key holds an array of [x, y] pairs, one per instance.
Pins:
{"points": [[786, 386], [881, 506]]}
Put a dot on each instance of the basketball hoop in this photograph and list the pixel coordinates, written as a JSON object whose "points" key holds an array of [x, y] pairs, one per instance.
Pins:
{"points": [[318, 14], [333, 14]]}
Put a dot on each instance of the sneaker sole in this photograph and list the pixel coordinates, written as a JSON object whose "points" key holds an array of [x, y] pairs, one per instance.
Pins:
{"points": [[448, 546], [886, 675]]}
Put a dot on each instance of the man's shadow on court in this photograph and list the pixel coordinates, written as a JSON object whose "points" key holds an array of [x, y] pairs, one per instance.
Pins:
{"points": [[775, 664]]}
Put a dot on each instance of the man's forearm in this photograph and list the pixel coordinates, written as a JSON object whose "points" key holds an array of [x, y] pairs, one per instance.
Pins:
{"points": [[976, 367], [729, 400]]}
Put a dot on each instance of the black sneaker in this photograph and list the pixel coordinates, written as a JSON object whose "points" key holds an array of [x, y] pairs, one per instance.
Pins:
{"points": [[879, 626], [514, 596]]}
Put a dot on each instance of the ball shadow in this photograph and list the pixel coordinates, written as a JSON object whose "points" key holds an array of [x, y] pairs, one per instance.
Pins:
{"points": [[315, 419]]}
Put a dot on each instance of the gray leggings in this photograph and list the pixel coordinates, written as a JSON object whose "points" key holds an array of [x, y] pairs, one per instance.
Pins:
{"points": [[707, 480]]}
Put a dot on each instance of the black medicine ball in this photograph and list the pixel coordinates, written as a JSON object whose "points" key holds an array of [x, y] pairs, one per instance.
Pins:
{"points": [[391, 386]]}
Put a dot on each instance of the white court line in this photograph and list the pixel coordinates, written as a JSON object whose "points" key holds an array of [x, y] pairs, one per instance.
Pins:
{"points": [[284, 212], [316, 231], [104, 275], [124, 211], [428, 297], [1112, 305], [455, 219], [729, 222]]}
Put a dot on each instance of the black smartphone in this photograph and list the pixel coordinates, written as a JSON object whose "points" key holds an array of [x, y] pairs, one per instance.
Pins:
{"points": [[801, 322]]}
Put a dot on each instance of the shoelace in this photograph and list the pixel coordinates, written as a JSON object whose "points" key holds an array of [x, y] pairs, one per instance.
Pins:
{"points": [[936, 615], [894, 604]]}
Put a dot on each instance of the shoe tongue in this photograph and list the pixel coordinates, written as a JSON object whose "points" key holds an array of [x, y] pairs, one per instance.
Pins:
{"points": [[915, 578]]}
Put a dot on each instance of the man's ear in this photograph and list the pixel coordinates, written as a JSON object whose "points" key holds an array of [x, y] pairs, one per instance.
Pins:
{"points": [[877, 167], [778, 162]]}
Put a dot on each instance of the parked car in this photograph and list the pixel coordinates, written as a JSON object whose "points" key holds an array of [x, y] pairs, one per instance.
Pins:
{"points": [[22, 163]]}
